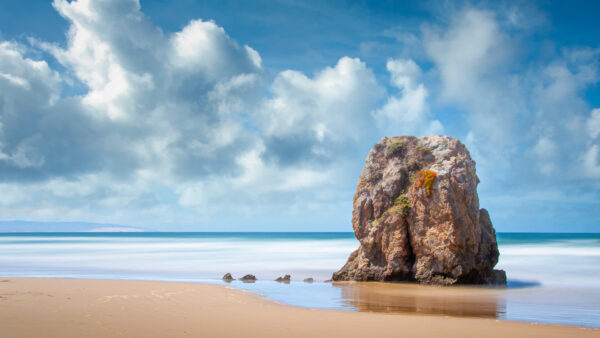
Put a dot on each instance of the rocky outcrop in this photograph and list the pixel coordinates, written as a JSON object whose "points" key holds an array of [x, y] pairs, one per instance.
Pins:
{"points": [[417, 217], [228, 278], [284, 279], [248, 279], [309, 280]]}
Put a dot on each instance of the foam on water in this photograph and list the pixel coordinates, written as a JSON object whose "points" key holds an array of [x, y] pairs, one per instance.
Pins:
{"points": [[554, 260], [198, 256]]}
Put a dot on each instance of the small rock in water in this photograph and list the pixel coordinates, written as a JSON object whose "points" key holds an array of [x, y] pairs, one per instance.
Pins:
{"points": [[309, 280], [228, 278], [248, 279], [284, 279]]}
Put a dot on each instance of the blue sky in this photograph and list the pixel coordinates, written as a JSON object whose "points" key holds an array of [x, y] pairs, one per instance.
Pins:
{"points": [[257, 115]]}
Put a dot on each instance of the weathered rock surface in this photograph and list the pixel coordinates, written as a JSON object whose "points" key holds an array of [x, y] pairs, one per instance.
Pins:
{"points": [[406, 234], [248, 278], [228, 277], [284, 279]]}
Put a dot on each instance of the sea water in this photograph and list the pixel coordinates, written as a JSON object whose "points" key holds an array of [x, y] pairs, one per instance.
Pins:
{"points": [[553, 278]]}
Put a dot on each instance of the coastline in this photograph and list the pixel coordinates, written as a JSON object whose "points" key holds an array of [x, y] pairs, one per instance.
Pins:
{"points": [[34, 307]]}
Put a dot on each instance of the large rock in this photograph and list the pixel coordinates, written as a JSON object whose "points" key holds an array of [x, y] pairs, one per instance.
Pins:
{"points": [[409, 234]]}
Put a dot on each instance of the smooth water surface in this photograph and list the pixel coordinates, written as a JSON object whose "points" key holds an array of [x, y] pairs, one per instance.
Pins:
{"points": [[553, 278]]}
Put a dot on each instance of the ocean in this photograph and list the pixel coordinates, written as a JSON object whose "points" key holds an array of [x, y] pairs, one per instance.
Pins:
{"points": [[553, 278]]}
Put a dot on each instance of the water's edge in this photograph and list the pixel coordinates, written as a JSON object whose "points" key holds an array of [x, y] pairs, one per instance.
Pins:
{"points": [[552, 277]]}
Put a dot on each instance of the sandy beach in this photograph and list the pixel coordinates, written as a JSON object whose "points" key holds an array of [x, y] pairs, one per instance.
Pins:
{"points": [[106, 308]]}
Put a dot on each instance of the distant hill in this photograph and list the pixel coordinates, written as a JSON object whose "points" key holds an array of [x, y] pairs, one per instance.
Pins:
{"points": [[30, 226]]}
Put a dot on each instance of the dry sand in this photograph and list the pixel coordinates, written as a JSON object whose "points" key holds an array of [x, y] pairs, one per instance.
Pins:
{"points": [[100, 308]]}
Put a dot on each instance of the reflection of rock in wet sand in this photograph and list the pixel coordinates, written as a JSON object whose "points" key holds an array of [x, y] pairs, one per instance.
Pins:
{"points": [[410, 298]]}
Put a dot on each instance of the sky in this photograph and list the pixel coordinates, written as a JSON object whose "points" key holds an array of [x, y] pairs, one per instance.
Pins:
{"points": [[257, 115]]}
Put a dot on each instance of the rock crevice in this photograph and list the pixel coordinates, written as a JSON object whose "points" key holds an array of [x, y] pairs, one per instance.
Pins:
{"points": [[408, 232]]}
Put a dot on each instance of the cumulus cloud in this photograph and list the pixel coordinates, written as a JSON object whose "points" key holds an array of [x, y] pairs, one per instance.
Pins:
{"points": [[35, 125], [177, 95], [469, 51], [591, 165], [172, 124], [25, 87], [312, 130], [408, 113], [312, 119], [590, 159], [185, 128], [473, 59], [593, 124], [560, 111], [157, 108], [525, 117]]}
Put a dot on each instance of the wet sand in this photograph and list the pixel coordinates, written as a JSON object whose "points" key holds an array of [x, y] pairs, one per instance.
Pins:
{"points": [[459, 301], [101, 308]]}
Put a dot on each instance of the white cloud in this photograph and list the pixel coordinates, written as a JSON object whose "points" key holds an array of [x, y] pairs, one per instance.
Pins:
{"points": [[546, 150], [335, 98], [409, 113], [203, 47], [471, 49], [314, 118], [175, 128], [169, 120], [25, 83], [525, 117], [589, 159], [469, 56], [160, 110], [310, 129], [183, 91], [472, 56], [591, 165], [561, 112], [593, 124]]}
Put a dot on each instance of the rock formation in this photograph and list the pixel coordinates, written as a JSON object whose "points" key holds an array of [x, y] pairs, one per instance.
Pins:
{"points": [[228, 278], [417, 217], [284, 279], [248, 279], [309, 280]]}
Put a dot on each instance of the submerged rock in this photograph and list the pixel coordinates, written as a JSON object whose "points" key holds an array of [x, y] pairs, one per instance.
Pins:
{"points": [[228, 277], [248, 279], [284, 279], [417, 217]]}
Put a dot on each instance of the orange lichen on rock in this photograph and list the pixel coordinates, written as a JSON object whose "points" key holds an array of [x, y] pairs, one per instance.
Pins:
{"points": [[426, 180]]}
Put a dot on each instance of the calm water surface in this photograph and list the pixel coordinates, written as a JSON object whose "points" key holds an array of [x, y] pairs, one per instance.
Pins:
{"points": [[553, 278]]}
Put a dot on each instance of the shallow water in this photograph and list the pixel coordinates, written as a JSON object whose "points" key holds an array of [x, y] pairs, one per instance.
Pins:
{"points": [[540, 304], [553, 278]]}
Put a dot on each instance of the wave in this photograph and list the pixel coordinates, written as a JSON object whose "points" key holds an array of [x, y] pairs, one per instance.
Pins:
{"points": [[528, 260], [550, 250], [168, 257], [557, 276]]}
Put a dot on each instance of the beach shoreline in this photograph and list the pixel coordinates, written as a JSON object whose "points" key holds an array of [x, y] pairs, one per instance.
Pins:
{"points": [[34, 307]]}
